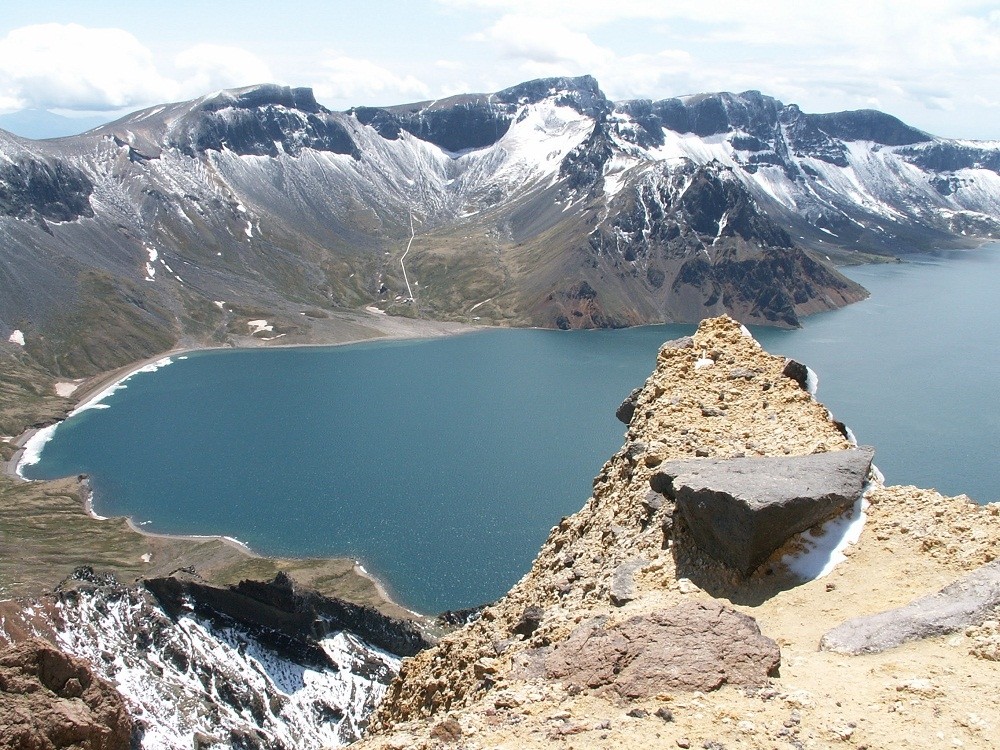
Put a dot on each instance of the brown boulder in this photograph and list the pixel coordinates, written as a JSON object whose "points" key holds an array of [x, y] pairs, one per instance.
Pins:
{"points": [[50, 700], [694, 646]]}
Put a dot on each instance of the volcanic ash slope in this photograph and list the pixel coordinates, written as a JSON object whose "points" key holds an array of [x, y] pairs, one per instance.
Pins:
{"points": [[625, 634]]}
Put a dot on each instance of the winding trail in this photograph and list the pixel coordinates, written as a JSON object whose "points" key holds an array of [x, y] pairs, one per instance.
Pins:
{"points": [[412, 235]]}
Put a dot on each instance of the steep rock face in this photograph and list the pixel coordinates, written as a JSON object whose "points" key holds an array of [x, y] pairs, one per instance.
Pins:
{"points": [[238, 676], [37, 189], [476, 121], [51, 701], [698, 242], [799, 161], [262, 121], [868, 125], [286, 617]]}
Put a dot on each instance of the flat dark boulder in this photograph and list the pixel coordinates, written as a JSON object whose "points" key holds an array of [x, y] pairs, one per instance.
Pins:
{"points": [[740, 510], [967, 601]]}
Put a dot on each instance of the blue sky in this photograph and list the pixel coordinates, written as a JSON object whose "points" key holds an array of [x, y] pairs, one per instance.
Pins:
{"points": [[934, 64]]}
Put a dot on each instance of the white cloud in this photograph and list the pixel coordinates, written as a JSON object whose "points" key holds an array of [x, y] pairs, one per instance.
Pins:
{"points": [[348, 81], [919, 59], [210, 67], [546, 41], [74, 67]]}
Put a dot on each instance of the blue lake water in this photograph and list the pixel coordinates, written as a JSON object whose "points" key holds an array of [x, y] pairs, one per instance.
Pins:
{"points": [[442, 464]]}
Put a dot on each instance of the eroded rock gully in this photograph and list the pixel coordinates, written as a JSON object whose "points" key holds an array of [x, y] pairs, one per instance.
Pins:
{"points": [[625, 632]]}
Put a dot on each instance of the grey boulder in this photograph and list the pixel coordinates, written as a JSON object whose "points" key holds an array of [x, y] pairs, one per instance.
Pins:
{"points": [[740, 510], [967, 601]]}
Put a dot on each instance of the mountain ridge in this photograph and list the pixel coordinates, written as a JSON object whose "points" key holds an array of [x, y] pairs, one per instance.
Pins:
{"points": [[194, 218]]}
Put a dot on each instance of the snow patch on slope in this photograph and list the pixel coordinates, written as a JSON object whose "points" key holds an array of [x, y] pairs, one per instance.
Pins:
{"points": [[186, 678]]}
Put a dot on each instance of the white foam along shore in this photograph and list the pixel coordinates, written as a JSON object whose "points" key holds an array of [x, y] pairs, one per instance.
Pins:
{"points": [[32, 452]]}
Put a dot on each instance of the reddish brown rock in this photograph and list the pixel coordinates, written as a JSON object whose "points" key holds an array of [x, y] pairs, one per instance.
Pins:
{"points": [[693, 646], [50, 700]]}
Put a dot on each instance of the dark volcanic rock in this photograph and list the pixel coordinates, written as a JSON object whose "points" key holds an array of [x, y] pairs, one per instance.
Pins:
{"points": [[49, 700], [531, 618], [288, 620], [797, 372], [869, 125], [948, 157], [34, 188], [479, 120], [627, 408], [581, 93], [263, 121], [740, 510], [623, 581], [693, 646], [968, 601], [384, 122], [707, 247], [466, 125]]}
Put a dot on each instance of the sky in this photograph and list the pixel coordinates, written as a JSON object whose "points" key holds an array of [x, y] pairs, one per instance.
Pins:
{"points": [[935, 64]]}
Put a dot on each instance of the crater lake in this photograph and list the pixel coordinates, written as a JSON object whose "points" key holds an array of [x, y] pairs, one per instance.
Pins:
{"points": [[441, 464]]}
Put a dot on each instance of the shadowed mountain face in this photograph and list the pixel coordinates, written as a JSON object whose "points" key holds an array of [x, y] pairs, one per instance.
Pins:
{"points": [[543, 204]]}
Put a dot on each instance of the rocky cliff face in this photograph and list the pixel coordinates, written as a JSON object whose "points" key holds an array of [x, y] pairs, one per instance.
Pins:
{"points": [[175, 663], [259, 203], [629, 632], [51, 701]]}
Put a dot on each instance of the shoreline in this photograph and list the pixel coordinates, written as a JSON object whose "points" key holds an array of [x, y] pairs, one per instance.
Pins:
{"points": [[103, 384], [95, 385]]}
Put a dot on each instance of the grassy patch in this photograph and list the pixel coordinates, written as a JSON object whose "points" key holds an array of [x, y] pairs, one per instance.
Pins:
{"points": [[45, 534]]}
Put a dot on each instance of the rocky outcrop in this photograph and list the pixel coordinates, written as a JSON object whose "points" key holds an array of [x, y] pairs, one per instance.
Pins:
{"points": [[617, 558], [286, 618], [51, 701], [198, 676], [700, 244], [39, 190], [263, 121], [693, 646], [623, 613], [966, 602], [740, 510], [474, 121]]}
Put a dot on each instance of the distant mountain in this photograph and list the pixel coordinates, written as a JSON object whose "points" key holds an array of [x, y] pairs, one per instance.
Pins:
{"points": [[40, 123], [544, 204]]}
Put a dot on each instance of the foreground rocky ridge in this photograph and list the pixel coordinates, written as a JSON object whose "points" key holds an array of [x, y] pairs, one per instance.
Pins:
{"points": [[51, 700], [543, 204], [260, 666], [588, 648]]}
